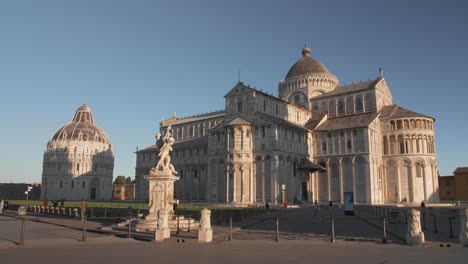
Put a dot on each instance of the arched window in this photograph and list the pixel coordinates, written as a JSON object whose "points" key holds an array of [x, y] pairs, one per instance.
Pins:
{"points": [[341, 107], [359, 107]]}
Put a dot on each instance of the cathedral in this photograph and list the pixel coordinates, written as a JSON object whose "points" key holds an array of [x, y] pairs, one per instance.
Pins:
{"points": [[315, 141], [78, 162]]}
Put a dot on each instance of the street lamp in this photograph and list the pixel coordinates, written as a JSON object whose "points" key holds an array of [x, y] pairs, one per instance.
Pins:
{"points": [[283, 190], [27, 192]]}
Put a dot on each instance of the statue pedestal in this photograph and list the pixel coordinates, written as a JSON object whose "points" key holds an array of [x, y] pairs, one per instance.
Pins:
{"points": [[205, 233], [414, 235], [161, 197]]}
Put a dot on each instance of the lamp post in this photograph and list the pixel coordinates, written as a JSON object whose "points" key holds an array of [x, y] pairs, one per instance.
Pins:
{"points": [[283, 190], [27, 192]]}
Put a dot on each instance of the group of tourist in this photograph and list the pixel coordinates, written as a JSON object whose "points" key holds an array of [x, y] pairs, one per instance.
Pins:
{"points": [[54, 203]]}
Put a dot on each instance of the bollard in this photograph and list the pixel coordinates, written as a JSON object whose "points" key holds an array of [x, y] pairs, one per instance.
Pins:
{"points": [[70, 211], [129, 235], [384, 239], [450, 225], [188, 229], [21, 242], [424, 220], [332, 230], [83, 237], [435, 223], [178, 226], [230, 229], [277, 230]]}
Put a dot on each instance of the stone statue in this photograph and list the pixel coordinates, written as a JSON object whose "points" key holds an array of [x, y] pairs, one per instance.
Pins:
{"points": [[414, 235], [165, 147]]}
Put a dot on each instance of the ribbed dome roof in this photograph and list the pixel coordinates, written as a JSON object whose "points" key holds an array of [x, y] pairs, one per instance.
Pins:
{"points": [[306, 65], [82, 128]]}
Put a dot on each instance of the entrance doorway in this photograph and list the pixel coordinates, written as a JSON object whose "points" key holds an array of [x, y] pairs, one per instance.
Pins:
{"points": [[93, 193]]}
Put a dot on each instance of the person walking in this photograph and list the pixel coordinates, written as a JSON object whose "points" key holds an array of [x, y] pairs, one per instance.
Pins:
{"points": [[83, 209]]}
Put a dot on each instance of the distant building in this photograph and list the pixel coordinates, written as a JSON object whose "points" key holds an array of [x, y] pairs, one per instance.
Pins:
{"points": [[261, 143], [123, 192], [78, 162], [16, 191], [447, 188], [461, 183], [454, 187]]}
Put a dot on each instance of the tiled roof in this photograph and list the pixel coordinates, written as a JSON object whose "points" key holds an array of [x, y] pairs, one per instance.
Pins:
{"points": [[460, 170], [395, 111], [313, 122], [350, 88], [346, 122], [196, 118]]}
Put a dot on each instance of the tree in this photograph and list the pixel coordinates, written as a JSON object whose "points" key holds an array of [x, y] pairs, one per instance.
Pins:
{"points": [[128, 180], [120, 180]]}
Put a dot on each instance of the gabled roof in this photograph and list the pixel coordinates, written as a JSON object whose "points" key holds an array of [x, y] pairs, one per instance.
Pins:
{"points": [[314, 122], [347, 122], [395, 111], [239, 121], [365, 85]]}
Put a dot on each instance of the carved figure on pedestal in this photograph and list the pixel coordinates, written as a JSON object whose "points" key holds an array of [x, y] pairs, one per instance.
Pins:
{"points": [[165, 147]]}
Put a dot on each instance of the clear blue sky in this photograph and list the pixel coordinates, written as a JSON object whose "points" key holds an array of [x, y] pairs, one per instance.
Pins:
{"points": [[134, 62]]}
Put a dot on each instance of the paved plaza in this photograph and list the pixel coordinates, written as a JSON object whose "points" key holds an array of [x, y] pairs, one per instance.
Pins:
{"points": [[304, 238]]}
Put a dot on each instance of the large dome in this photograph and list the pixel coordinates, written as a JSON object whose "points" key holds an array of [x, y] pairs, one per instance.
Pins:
{"points": [[306, 65], [82, 128]]}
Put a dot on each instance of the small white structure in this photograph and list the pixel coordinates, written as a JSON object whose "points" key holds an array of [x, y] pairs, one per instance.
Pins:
{"points": [[414, 236], [464, 226], [78, 162], [205, 233], [162, 230]]}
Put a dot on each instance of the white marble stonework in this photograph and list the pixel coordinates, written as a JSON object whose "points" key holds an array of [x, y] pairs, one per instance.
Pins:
{"points": [[79, 161], [205, 233], [259, 142], [414, 235]]}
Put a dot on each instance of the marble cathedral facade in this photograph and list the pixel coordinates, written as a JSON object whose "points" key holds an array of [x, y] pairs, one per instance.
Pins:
{"points": [[262, 147]]}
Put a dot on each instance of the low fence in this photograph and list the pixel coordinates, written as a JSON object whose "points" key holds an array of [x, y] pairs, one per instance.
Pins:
{"points": [[437, 223]]}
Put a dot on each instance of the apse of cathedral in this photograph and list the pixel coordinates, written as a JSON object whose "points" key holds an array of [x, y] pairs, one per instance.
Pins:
{"points": [[315, 141]]}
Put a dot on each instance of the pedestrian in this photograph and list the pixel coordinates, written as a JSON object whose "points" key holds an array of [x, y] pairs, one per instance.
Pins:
{"points": [[83, 209], [423, 205], [330, 203], [62, 203], [5, 204], [46, 203], [285, 204], [1, 206], [267, 205]]}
